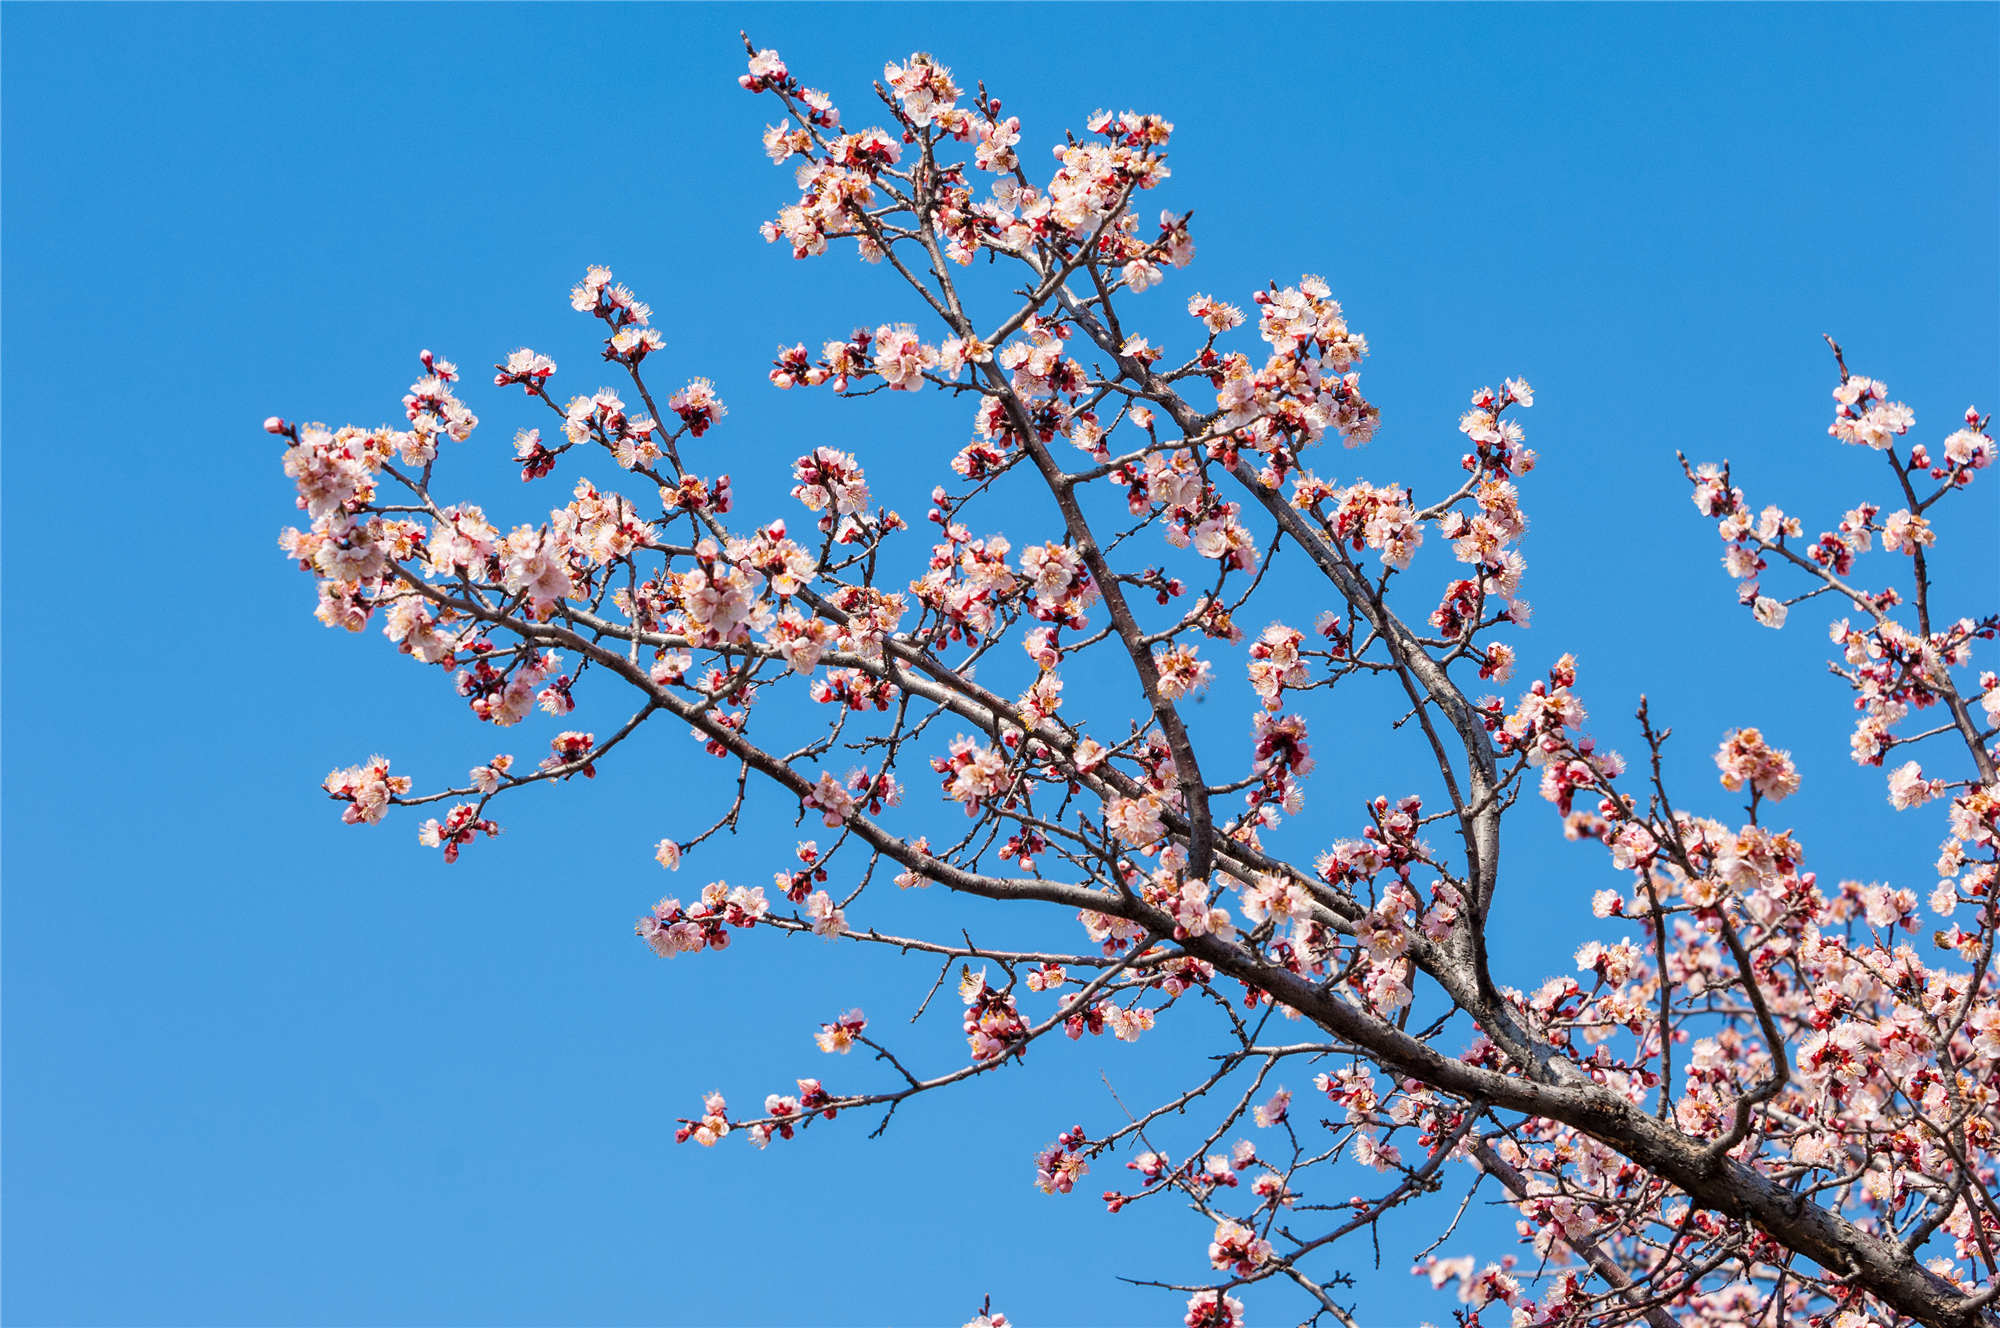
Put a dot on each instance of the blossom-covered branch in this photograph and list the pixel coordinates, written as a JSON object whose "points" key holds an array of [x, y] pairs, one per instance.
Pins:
{"points": [[1773, 1101]]}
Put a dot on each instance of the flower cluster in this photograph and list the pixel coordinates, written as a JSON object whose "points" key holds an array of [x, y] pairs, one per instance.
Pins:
{"points": [[367, 790], [993, 1026], [671, 929]]}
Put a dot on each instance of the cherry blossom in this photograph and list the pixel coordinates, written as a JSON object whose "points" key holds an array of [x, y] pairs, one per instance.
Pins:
{"points": [[1762, 1091]]}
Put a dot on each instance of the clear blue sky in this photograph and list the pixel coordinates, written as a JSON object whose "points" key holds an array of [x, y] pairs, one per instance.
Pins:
{"points": [[263, 1068]]}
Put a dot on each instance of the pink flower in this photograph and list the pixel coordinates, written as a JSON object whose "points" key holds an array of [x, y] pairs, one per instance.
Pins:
{"points": [[367, 789], [698, 406], [837, 1038], [924, 88], [1237, 1248], [1213, 1309], [1134, 821], [1908, 787], [972, 773], [1906, 532], [827, 919], [1745, 758], [459, 828], [831, 798], [767, 68]]}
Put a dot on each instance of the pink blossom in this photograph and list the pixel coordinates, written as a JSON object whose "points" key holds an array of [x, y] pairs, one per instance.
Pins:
{"points": [[827, 918], [1745, 758], [1908, 787]]}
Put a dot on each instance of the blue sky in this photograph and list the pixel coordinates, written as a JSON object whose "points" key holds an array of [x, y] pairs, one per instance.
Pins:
{"points": [[263, 1068]]}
